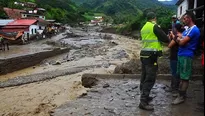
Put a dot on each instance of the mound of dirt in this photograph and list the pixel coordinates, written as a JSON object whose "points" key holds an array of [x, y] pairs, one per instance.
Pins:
{"points": [[134, 67]]}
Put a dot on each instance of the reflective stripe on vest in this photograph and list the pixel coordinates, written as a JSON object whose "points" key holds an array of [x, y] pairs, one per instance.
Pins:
{"points": [[149, 49], [151, 41]]}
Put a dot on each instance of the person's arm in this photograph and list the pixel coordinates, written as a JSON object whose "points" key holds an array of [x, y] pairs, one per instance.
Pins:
{"points": [[161, 35], [183, 41], [173, 39], [172, 43]]}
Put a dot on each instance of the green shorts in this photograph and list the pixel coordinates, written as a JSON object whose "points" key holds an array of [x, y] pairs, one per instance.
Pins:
{"points": [[184, 67]]}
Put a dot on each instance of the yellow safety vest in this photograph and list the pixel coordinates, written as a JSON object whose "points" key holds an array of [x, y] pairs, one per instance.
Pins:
{"points": [[149, 39]]}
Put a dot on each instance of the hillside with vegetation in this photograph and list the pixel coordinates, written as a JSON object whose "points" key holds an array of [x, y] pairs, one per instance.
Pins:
{"points": [[130, 13], [64, 11]]}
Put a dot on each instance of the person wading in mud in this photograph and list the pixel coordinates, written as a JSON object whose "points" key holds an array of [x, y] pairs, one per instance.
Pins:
{"points": [[152, 36], [187, 42]]}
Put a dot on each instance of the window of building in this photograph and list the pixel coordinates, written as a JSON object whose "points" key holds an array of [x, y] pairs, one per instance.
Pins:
{"points": [[181, 10]]}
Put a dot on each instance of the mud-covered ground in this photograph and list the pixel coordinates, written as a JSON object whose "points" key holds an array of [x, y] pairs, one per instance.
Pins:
{"points": [[120, 97], [91, 52], [39, 90]]}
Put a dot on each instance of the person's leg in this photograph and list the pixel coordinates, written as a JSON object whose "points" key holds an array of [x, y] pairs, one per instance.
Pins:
{"points": [[149, 81], [184, 87], [185, 74], [143, 76], [142, 79], [7, 45], [175, 78], [3, 46], [0, 46]]}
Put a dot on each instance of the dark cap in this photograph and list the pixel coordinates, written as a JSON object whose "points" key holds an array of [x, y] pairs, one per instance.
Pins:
{"points": [[151, 15]]}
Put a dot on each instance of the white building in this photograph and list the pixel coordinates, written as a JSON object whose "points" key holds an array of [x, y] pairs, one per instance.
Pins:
{"points": [[196, 6]]}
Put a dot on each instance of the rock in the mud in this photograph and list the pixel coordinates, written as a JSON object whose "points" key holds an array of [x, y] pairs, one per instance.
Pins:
{"points": [[131, 67], [108, 37], [105, 64], [89, 81], [118, 54], [57, 63], [113, 43], [134, 67]]}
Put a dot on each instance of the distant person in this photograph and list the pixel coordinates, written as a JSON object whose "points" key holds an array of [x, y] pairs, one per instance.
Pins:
{"points": [[188, 42], [152, 36], [175, 20], [1, 43], [4, 44]]}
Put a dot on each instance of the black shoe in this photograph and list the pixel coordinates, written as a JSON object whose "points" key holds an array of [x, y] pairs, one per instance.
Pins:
{"points": [[149, 99], [146, 107], [199, 109]]}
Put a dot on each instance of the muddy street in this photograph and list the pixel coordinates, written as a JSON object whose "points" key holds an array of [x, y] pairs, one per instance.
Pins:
{"points": [[120, 97], [89, 51], [54, 86]]}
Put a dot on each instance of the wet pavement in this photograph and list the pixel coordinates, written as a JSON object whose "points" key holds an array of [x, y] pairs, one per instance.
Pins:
{"points": [[120, 97], [21, 50]]}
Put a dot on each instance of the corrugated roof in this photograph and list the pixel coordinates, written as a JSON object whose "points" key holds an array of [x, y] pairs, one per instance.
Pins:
{"points": [[13, 13], [23, 22], [5, 21], [41, 21], [179, 2], [15, 28]]}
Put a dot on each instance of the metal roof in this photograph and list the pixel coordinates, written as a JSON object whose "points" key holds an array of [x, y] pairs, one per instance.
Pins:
{"points": [[40, 20], [25, 22], [15, 28], [13, 13], [5, 21]]}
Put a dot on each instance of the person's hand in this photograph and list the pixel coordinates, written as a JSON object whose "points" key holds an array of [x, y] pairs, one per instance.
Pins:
{"points": [[179, 35], [171, 35]]}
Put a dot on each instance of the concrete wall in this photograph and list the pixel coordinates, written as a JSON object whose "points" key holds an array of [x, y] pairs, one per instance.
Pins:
{"points": [[17, 63], [181, 10], [32, 29]]}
